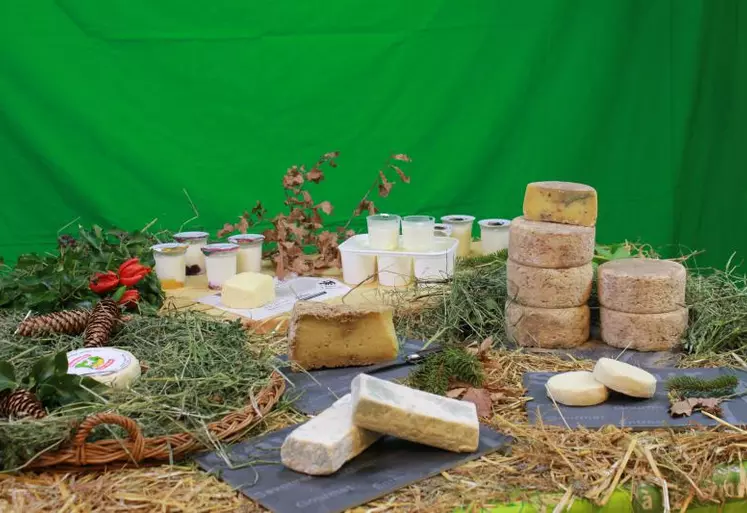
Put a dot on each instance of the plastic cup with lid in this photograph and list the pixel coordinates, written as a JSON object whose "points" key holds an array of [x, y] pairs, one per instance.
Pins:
{"points": [[170, 264], [383, 231], [461, 229], [494, 235], [194, 260], [249, 257], [220, 263], [418, 233]]}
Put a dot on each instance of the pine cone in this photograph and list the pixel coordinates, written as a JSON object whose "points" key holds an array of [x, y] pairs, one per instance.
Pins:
{"points": [[21, 403], [71, 322], [104, 317]]}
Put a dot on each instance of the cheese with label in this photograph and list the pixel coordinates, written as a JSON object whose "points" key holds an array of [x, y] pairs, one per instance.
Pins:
{"points": [[549, 288], [561, 202], [414, 415], [577, 388], [112, 367], [643, 332], [323, 335], [325, 443], [548, 328], [642, 285], [248, 290], [625, 378], [550, 245]]}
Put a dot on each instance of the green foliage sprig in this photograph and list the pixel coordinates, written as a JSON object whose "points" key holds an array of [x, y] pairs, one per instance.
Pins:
{"points": [[451, 364], [686, 387]]}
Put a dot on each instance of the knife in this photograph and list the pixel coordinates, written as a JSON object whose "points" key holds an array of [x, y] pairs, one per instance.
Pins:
{"points": [[410, 359]]}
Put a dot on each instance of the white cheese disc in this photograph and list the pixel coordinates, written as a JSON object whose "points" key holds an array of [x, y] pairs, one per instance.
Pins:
{"points": [[625, 378], [112, 367], [577, 388]]}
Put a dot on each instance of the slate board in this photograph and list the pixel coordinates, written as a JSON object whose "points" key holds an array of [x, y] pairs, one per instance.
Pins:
{"points": [[388, 465], [313, 392], [624, 411]]}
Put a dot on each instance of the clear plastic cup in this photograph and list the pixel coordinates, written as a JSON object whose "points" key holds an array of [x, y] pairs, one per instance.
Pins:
{"points": [[383, 231], [461, 229], [220, 263], [194, 259], [170, 267], [442, 230], [249, 258], [494, 235], [418, 233]]}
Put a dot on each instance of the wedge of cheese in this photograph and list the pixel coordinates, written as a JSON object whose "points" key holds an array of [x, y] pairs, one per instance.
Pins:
{"points": [[322, 335], [625, 378], [549, 288], [642, 285], [410, 414], [549, 328], [550, 245], [248, 290], [577, 388], [324, 444], [561, 202], [643, 332]]}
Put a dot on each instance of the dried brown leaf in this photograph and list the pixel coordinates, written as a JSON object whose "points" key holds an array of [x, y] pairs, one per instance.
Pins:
{"points": [[402, 157], [316, 175], [326, 207], [454, 393], [292, 178], [402, 175], [243, 225], [307, 200], [481, 398], [226, 230], [385, 186], [485, 347]]}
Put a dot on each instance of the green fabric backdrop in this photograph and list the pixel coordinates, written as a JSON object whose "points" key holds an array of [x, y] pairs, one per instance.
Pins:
{"points": [[109, 109]]}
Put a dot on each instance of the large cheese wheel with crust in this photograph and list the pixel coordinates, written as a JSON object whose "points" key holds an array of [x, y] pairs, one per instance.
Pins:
{"points": [[643, 332], [549, 328], [642, 285], [561, 202], [550, 245], [549, 288]]}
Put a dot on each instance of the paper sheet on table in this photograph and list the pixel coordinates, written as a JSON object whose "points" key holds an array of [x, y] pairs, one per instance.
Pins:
{"points": [[286, 294]]}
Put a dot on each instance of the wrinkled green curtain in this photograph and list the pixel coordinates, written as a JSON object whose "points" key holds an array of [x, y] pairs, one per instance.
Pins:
{"points": [[110, 110]]}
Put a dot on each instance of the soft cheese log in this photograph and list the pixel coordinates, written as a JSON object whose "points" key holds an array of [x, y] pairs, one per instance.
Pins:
{"points": [[643, 332], [561, 202], [549, 288], [549, 328], [414, 415], [550, 245], [625, 378], [642, 285], [322, 335], [576, 388], [248, 290], [325, 443]]}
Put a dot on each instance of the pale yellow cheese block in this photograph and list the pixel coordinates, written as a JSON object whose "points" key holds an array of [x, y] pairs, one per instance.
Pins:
{"points": [[549, 288], [642, 285], [561, 202], [547, 328], [576, 388], [625, 378], [643, 332], [248, 290], [550, 245]]}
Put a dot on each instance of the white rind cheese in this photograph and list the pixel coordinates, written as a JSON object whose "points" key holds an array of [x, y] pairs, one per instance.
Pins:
{"points": [[248, 290], [577, 388], [324, 444], [549, 288], [643, 332], [115, 368], [550, 245], [548, 328], [642, 285], [414, 415], [625, 378]]}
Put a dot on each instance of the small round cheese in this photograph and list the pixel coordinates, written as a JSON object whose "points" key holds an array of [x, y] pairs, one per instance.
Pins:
{"points": [[577, 388], [548, 328], [642, 285], [112, 367], [550, 245], [643, 332], [625, 378], [549, 288]]}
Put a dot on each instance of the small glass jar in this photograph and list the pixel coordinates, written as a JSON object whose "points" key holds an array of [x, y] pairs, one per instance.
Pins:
{"points": [[417, 233], [494, 235], [461, 229], [220, 263], [442, 230], [383, 231], [194, 260], [170, 266], [249, 258]]}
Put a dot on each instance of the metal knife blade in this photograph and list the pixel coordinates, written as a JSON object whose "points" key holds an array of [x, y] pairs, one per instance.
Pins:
{"points": [[410, 359]]}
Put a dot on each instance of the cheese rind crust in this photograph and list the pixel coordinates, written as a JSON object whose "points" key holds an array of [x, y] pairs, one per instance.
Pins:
{"points": [[549, 328], [625, 378], [413, 415], [550, 245], [561, 202], [643, 332], [576, 388], [642, 285], [549, 288]]}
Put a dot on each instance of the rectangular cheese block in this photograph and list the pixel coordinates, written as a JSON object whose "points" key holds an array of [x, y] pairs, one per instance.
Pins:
{"points": [[414, 415], [561, 202], [248, 290], [325, 443], [322, 335]]}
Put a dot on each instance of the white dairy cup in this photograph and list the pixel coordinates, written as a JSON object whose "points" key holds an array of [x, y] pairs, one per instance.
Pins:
{"points": [[394, 271], [194, 259], [383, 231], [170, 264], [494, 235], [442, 230], [357, 269], [220, 263], [249, 257], [461, 229], [418, 233]]}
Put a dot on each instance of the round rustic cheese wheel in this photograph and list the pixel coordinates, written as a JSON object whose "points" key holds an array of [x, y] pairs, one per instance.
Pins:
{"points": [[561, 202], [642, 285], [625, 378], [549, 288], [576, 388], [643, 332], [549, 328], [112, 367], [550, 245]]}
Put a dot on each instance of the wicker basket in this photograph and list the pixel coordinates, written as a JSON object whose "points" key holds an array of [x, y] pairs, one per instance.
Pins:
{"points": [[136, 449]]}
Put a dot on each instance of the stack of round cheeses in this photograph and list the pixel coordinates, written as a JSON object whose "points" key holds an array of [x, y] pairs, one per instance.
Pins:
{"points": [[642, 303], [549, 272]]}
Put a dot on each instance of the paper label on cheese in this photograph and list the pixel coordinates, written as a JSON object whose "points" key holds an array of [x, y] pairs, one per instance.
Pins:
{"points": [[100, 361]]}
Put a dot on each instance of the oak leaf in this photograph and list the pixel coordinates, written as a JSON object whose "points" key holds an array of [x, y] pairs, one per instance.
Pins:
{"points": [[402, 175], [401, 157], [681, 408], [454, 393], [242, 225], [307, 201], [326, 207], [481, 399], [226, 230], [385, 186], [316, 175]]}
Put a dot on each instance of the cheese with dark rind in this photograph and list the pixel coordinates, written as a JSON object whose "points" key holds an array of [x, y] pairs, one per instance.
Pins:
{"points": [[414, 415], [325, 443], [642, 285], [561, 202], [550, 245], [576, 388], [548, 328], [625, 378], [643, 332], [549, 288]]}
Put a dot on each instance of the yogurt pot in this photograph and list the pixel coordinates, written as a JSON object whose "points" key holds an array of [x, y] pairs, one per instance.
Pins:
{"points": [[194, 260], [357, 269], [461, 229], [249, 258], [394, 271], [170, 264], [383, 231], [418, 233], [220, 263], [442, 230], [494, 235]]}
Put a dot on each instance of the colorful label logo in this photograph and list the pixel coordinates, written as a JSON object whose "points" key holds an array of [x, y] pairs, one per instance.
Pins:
{"points": [[96, 361]]}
